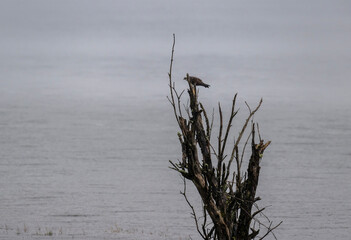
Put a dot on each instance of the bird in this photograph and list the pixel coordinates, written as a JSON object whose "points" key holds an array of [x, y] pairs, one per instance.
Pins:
{"points": [[197, 81]]}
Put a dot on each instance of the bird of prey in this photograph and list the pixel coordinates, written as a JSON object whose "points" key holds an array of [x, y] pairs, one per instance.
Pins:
{"points": [[197, 81]]}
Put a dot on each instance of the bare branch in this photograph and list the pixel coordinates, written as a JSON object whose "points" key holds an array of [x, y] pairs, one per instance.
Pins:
{"points": [[257, 212], [220, 153], [258, 131], [192, 209], [178, 99], [244, 127], [208, 126], [244, 148], [171, 88], [271, 229], [232, 115], [209, 137], [227, 212], [220, 130]]}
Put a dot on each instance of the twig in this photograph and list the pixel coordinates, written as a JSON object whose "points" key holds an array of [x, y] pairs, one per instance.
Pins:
{"points": [[244, 128], [192, 209], [232, 115], [270, 230], [258, 131], [170, 83], [243, 150]]}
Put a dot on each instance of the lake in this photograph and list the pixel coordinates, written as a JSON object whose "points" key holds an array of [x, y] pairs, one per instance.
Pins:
{"points": [[87, 131]]}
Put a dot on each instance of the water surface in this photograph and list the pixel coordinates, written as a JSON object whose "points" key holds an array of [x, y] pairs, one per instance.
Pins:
{"points": [[87, 132]]}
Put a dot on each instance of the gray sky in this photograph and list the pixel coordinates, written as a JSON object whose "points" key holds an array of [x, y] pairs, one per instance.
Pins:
{"points": [[259, 25], [304, 42]]}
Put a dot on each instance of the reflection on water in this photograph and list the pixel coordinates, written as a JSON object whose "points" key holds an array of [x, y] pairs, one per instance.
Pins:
{"points": [[87, 132]]}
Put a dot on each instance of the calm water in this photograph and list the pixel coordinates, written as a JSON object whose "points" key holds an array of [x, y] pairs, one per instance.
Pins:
{"points": [[87, 132]]}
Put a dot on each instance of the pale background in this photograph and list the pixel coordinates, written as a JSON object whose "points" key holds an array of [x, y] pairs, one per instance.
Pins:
{"points": [[86, 131]]}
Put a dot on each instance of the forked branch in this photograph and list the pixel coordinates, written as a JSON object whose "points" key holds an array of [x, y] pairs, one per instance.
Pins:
{"points": [[226, 205]]}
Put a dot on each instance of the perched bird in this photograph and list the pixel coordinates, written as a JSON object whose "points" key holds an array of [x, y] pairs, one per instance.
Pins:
{"points": [[197, 81]]}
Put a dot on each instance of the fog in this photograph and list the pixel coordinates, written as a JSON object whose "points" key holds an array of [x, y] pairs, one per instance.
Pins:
{"points": [[82, 80], [306, 40]]}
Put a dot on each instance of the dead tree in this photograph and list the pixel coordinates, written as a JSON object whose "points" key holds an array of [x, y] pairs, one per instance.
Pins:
{"points": [[229, 208]]}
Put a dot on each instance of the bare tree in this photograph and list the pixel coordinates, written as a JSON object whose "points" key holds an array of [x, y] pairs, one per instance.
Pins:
{"points": [[229, 209]]}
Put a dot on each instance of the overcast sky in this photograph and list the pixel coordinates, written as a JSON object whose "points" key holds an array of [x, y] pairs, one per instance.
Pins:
{"points": [[304, 41], [82, 25]]}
